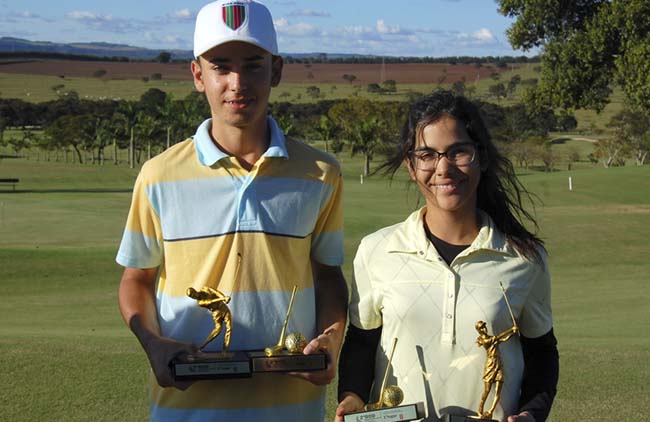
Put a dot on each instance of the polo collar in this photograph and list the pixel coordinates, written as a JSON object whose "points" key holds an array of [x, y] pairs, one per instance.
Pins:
{"points": [[209, 154], [411, 238]]}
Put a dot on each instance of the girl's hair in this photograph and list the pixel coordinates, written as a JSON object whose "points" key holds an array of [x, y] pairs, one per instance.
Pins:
{"points": [[499, 192]]}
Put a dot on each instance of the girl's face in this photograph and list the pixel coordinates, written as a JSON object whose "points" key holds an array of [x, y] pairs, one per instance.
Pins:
{"points": [[448, 182]]}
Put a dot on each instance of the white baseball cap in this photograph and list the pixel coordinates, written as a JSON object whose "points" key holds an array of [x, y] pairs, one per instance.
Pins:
{"points": [[234, 20]]}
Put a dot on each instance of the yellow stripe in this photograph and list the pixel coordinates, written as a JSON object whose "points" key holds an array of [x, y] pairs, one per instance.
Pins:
{"points": [[267, 264], [263, 390], [142, 218]]}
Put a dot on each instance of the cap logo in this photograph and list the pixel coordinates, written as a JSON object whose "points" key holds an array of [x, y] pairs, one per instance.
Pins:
{"points": [[233, 15]]}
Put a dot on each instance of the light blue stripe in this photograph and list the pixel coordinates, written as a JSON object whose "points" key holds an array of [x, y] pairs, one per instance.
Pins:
{"points": [[313, 411], [283, 206], [257, 318], [195, 208], [139, 251], [327, 248]]}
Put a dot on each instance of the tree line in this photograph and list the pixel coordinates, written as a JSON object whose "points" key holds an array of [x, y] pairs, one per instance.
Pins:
{"points": [[151, 124]]}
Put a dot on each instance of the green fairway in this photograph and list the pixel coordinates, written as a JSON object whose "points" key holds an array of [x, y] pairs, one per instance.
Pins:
{"points": [[67, 355]]}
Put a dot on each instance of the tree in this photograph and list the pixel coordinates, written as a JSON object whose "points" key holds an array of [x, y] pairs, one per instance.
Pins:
{"points": [[127, 113], [367, 125], [95, 133], [164, 57], [458, 88], [349, 78], [68, 131], [633, 128], [147, 128], [374, 88], [326, 129], [390, 85], [497, 90], [610, 152], [586, 45], [313, 91]]}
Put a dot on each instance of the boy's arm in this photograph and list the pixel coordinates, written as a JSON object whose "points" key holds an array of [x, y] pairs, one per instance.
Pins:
{"points": [[136, 297]]}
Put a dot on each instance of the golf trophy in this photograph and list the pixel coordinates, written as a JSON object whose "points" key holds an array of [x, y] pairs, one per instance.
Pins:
{"points": [[388, 408], [286, 355], [213, 365], [493, 372]]}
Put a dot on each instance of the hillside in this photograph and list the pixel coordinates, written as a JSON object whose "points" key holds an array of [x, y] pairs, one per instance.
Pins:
{"points": [[101, 49]]}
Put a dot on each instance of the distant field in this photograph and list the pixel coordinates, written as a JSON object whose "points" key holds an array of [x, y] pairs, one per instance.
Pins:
{"points": [[295, 73], [43, 80]]}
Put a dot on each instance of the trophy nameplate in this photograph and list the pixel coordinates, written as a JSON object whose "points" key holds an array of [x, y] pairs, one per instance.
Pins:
{"points": [[409, 412], [287, 362], [206, 365]]}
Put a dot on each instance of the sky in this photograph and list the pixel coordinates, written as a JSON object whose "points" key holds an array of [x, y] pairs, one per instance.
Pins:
{"points": [[435, 28]]}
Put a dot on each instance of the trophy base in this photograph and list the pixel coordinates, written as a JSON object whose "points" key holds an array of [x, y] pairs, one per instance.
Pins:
{"points": [[287, 362], [409, 412], [456, 418], [211, 365]]}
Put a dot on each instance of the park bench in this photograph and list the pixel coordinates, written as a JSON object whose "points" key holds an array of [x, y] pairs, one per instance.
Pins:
{"points": [[12, 182]]}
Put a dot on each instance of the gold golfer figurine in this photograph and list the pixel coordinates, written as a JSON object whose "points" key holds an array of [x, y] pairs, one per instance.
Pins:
{"points": [[493, 373], [294, 342], [390, 396], [217, 303]]}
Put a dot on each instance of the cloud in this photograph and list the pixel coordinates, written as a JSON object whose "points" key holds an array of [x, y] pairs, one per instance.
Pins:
{"points": [[310, 13], [182, 15], [383, 28], [84, 16], [483, 35], [17, 17], [301, 29], [167, 40]]}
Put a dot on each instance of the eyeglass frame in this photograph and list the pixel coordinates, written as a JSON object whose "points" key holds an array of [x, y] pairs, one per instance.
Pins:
{"points": [[414, 158]]}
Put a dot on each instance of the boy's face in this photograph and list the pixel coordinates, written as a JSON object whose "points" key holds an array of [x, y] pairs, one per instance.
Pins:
{"points": [[237, 78]]}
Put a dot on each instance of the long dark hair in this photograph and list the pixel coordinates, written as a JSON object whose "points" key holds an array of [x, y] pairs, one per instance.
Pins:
{"points": [[500, 194]]}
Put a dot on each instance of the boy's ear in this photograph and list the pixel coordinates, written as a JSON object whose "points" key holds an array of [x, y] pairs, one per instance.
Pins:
{"points": [[197, 75]]}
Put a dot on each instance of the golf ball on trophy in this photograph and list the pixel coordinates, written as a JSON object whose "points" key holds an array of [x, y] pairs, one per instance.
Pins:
{"points": [[295, 342], [392, 396]]}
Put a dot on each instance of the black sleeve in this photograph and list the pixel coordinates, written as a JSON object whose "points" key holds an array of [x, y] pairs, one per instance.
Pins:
{"points": [[541, 370], [357, 361]]}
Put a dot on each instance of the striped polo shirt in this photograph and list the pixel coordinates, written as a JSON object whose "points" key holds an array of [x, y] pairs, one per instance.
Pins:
{"points": [[194, 210]]}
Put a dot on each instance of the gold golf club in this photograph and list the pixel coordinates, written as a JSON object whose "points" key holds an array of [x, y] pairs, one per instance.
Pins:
{"points": [[277, 349], [390, 396]]}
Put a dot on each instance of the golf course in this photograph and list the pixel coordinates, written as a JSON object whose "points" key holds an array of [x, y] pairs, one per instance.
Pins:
{"points": [[67, 355]]}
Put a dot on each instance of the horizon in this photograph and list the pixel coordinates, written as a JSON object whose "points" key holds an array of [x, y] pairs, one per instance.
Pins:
{"points": [[378, 28]]}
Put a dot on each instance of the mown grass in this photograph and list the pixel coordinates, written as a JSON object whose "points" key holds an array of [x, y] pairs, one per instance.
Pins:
{"points": [[67, 355]]}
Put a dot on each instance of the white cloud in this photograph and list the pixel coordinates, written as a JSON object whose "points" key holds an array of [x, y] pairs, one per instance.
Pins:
{"points": [[483, 34], [301, 29], [82, 15], [182, 14], [382, 28], [310, 13]]}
